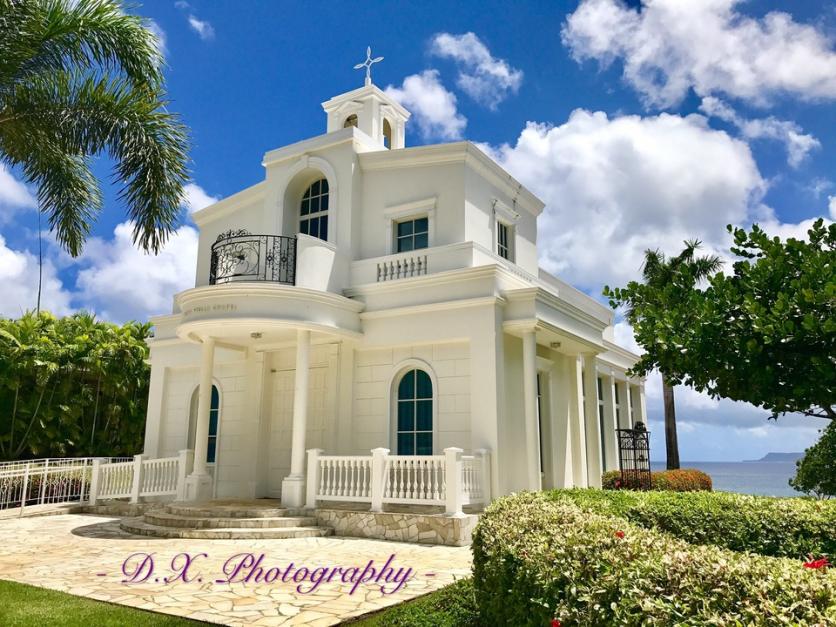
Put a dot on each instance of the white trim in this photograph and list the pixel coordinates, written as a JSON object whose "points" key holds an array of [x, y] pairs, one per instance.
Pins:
{"points": [[305, 162], [398, 370], [412, 210], [504, 213]]}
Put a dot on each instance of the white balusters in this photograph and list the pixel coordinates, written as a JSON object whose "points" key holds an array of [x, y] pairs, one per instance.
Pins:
{"points": [[401, 268]]}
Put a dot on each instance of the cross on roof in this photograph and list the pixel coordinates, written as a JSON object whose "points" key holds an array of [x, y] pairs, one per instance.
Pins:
{"points": [[368, 64]]}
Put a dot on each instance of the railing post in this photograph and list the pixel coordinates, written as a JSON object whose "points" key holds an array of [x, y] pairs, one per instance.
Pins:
{"points": [[184, 469], [312, 486], [378, 477], [483, 457], [137, 483], [25, 491], [43, 482], [94, 480], [453, 480]]}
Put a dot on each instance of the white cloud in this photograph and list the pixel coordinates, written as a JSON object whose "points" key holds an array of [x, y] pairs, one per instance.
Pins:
{"points": [[798, 144], [433, 107], [159, 33], [197, 198], [483, 77], [669, 46], [120, 282], [203, 28], [19, 278], [14, 195], [614, 187], [832, 207]]}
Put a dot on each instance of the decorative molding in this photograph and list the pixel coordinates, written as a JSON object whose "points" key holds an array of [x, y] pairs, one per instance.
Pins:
{"points": [[413, 209], [504, 213]]}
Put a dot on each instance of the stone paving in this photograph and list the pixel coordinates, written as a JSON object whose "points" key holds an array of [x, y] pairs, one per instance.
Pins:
{"points": [[84, 555]]}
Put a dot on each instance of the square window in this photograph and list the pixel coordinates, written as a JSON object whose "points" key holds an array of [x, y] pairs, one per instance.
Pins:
{"points": [[404, 244], [405, 228], [406, 444], [406, 416], [424, 415], [423, 443]]}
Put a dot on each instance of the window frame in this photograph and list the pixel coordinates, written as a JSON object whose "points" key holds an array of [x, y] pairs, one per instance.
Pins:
{"points": [[319, 214], [412, 235], [504, 227], [398, 372], [395, 214]]}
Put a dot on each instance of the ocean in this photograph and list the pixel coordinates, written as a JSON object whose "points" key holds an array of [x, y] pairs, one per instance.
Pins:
{"points": [[764, 478]]}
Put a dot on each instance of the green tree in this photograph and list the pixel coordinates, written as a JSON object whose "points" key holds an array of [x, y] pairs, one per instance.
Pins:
{"points": [[816, 471], [666, 282], [79, 78], [72, 386]]}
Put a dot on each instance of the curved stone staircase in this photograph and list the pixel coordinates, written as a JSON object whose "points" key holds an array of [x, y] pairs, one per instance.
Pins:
{"points": [[250, 520]]}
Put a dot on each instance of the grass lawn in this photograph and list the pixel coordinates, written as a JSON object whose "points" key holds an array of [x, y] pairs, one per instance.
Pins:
{"points": [[22, 605], [451, 606]]}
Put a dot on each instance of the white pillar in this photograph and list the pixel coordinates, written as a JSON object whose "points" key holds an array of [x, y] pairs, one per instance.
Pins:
{"points": [[561, 416], [453, 480], [293, 486], [313, 476], [641, 404], [532, 428], [378, 477], [610, 436], [623, 404], [591, 420], [577, 429], [199, 483], [156, 407]]}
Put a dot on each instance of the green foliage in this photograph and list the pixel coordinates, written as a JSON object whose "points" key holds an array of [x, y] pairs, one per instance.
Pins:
{"points": [[680, 480], [451, 606], [536, 559], [779, 527], [765, 334], [72, 386], [816, 471], [79, 78]]}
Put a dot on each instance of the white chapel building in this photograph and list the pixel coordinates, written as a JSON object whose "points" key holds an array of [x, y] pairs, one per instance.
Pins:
{"points": [[366, 295]]}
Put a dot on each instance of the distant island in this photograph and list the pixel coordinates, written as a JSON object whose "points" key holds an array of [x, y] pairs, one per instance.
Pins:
{"points": [[778, 457]]}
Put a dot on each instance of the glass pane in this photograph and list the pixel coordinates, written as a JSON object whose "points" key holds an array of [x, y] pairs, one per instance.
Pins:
{"points": [[404, 244], [307, 193], [323, 228], [210, 450], [323, 189], [600, 389], [216, 401], [406, 416], [314, 204], [421, 225], [424, 415], [313, 229], [323, 203], [406, 444], [425, 385], [424, 444], [315, 189], [406, 388], [213, 422], [405, 228], [306, 207], [303, 226], [421, 240]]}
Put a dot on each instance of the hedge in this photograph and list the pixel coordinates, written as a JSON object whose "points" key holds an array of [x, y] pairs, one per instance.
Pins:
{"points": [[451, 606], [682, 480], [537, 559], [780, 527]]}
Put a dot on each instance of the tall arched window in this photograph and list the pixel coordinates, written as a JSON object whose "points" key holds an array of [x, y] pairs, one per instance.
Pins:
{"points": [[214, 414], [415, 414], [387, 134], [313, 213]]}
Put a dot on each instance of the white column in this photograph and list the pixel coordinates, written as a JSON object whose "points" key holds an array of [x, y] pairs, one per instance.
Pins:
{"points": [[199, 483], [156, 407], [623, 404], [577, 430], [593, 430], [640, 408], [453, 479], [561, 416], [293, 486], [610, 436], [532, 431]]}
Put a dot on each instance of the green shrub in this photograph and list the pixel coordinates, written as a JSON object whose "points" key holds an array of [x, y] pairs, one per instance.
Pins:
{"points": [[536, 559], [451, 606], [682, 480], [780, 527]]}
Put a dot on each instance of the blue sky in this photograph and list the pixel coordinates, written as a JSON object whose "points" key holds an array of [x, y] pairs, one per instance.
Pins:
{"points": [[638, 126]]}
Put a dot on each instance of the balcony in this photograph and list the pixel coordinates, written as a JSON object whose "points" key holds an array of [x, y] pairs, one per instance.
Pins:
{"points": [[242, 256]]}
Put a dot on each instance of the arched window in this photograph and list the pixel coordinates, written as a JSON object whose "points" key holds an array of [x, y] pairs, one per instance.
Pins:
{"points": [[214, 412], [313, 213], [415, 414], [387, 133], [350, 121]]}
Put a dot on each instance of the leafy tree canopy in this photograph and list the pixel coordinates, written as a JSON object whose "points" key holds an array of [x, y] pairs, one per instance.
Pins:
{"points": [[765, 333], [816, 471], [72, 386]]}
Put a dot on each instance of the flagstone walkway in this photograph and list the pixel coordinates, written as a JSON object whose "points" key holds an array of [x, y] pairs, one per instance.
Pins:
{"points": [[84, 555]]}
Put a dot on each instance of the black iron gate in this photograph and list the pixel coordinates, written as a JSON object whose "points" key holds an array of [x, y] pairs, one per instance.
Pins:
{"points": [[634, 457]]}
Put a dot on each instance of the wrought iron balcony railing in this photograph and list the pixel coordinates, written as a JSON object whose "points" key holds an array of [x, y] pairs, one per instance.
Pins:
{"points": [[241, 256]]}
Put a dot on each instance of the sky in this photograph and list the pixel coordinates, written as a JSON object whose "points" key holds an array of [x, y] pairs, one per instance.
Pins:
{"points": [[639, 124]]}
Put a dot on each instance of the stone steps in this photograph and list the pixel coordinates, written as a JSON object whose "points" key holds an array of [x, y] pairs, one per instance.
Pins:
{"points": [[139, 526], [228, 509], [166, 519]]}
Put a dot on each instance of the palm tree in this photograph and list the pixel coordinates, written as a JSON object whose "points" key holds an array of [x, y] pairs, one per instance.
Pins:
{"points": [[659, 272], [79, 78]]}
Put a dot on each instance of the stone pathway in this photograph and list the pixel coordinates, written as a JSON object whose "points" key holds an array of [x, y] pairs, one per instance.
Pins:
{"points": [[84, 555]]}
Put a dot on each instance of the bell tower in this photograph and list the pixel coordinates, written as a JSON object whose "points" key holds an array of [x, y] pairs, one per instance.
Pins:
{"points": [[369, 109]]}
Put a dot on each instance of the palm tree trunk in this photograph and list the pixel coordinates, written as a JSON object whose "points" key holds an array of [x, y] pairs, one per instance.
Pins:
{"points": [[671, 442]]}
